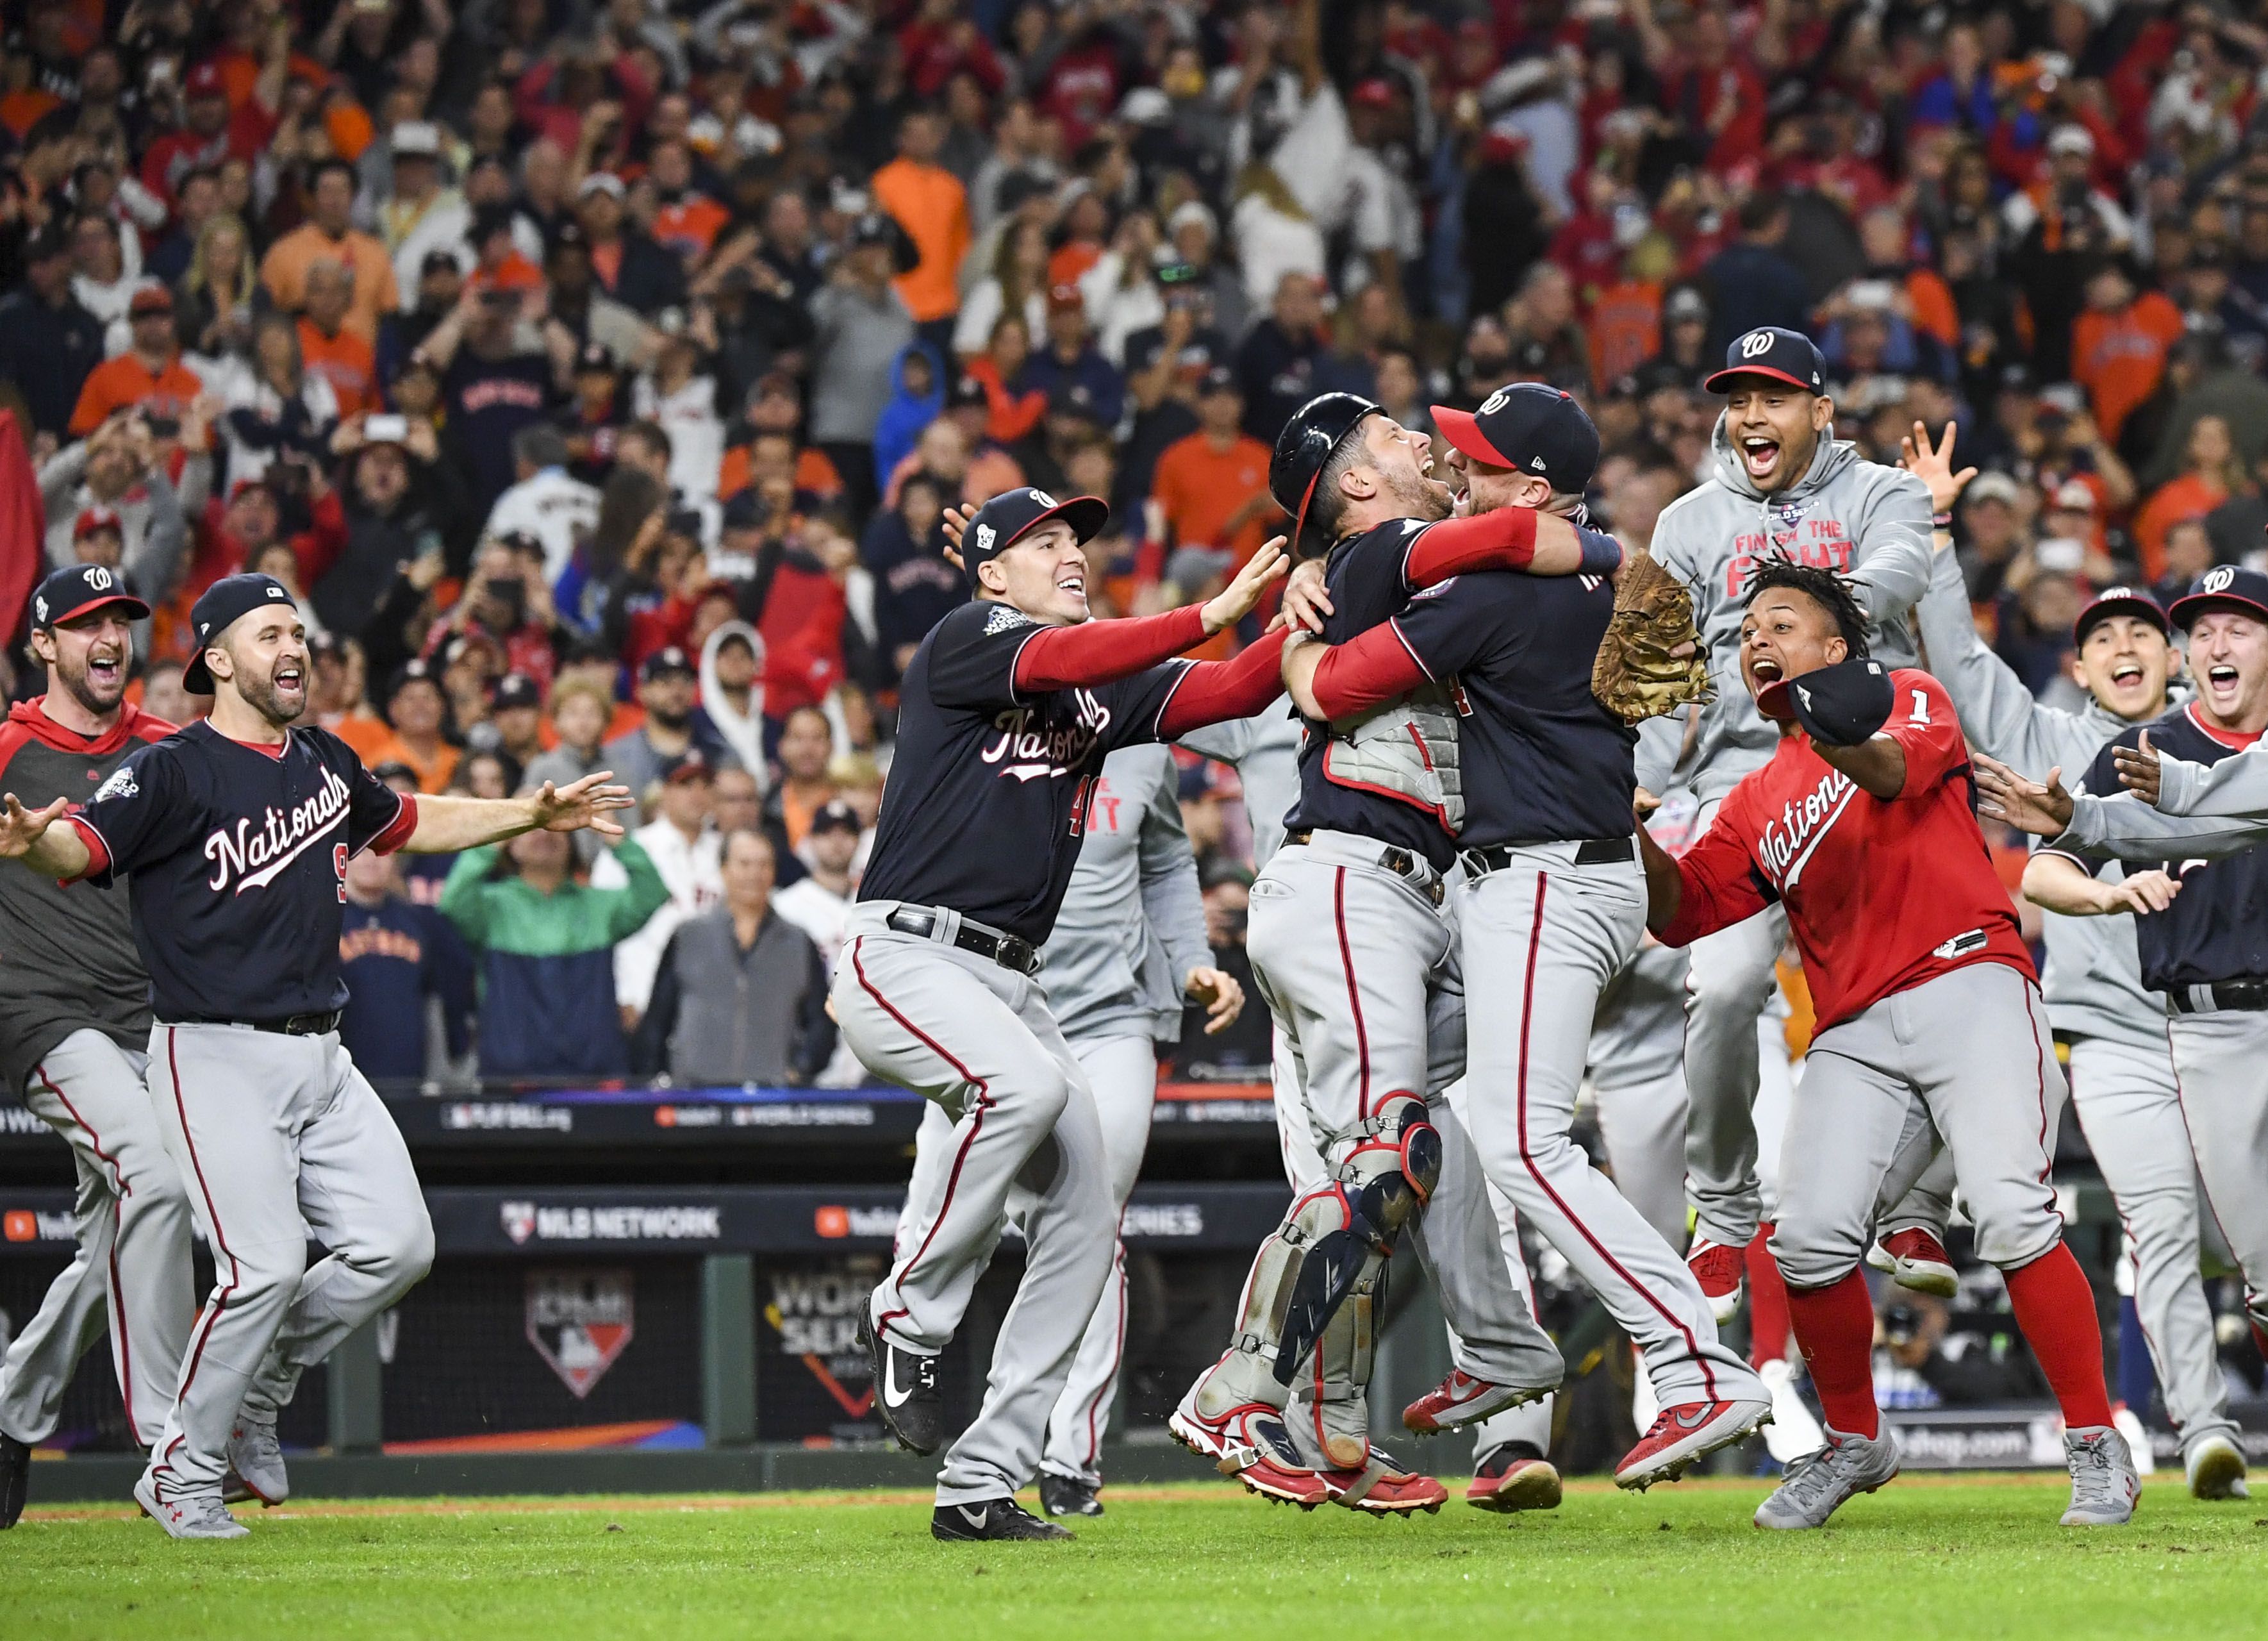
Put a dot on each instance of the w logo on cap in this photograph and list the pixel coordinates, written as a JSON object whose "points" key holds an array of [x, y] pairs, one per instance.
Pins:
{"points": [[1043, 497], [97, 577], [1495, 402], [2216, 581], [1754, 343]]}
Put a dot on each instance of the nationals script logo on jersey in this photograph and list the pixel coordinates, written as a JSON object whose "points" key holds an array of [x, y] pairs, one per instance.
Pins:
{"points": [[1791, 838], [1030, 753], [254, 857]]}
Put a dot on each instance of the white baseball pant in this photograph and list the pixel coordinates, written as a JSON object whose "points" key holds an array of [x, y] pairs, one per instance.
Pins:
{"points": [[2220, 1077]]}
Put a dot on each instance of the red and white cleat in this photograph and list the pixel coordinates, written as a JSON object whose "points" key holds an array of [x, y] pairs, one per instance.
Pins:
{"points": [[1915, 1259], [1250, 1443], [1507, 1480], [1377, 1488], [1685, 1434], [1720, 1271], [1462, 1400]]}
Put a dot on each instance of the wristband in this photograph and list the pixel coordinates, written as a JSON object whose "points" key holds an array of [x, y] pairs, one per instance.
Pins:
{"points": [[1602, 554], [1940, 521]]}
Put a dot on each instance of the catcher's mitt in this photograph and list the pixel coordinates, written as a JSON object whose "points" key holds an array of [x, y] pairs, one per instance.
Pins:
{"points": [[1640, 673]]}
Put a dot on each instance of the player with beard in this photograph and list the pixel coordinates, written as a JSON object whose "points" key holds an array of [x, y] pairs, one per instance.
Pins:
{"points": [[234, 834], [74, 1022]]}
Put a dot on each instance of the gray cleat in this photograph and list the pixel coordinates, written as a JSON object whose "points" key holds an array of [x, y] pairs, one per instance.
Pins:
{"points": [[257, 1457], [189, 1516], [2215, 1466], [2103, 1482], [1817, 1484]]}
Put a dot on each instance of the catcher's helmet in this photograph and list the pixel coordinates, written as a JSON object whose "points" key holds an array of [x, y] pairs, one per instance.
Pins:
{"points": [[1315, 430]]}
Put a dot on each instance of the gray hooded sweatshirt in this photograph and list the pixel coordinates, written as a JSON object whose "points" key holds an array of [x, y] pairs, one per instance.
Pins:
{"points": [[1869, 522], [1132, 924], [2093, 978]]}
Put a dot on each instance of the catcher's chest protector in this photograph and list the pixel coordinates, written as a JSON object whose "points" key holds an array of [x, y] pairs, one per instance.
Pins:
{"points": [[1408, 749]]}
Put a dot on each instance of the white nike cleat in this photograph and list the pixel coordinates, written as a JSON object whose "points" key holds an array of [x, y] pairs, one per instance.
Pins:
{"points": [[1818, 1484], [1793, 1431], [2129, 1424], [2215, 1469]]}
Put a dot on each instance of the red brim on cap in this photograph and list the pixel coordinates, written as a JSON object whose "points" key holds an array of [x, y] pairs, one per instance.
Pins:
{"points": [[141, 609], [1771, 701], [1712, 385], [1085, 514], [1462, 429]]}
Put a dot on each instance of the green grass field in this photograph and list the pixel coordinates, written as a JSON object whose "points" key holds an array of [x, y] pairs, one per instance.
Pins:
{"points": [[1977, 1557]]}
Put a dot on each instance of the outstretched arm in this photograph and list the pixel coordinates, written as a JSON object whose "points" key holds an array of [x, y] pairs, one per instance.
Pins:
{"points": [[2058, 883], [32, 836], [448, 822]]}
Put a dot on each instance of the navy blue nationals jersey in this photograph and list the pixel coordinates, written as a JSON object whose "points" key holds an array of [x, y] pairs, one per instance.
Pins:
{"points": [[1367, 576], [236, 859], [2217, 928], [1540, 760], [983, 809]]}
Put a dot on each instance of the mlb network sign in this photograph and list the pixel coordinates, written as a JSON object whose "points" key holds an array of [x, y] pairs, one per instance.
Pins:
{"points": [[527, 1221]]}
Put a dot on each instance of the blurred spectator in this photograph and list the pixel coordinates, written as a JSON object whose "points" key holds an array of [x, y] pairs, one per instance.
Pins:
{"points": [[330, 236], [1069, 360], [1240, 1053], [2210, 475], [277, 409], [546, 953], [930, 205], [1923, 1359], [1751, 282], [1284, 361], [2119, 345], [807, 743], [48, 341], [401, 964], [669, 730], [544, 501], [148, 375], [403, 502], [417, 713], [1016, 284], [819, 904], [740, 997], [683, 846], [732, 688], [862, 329], [1212, 485]]}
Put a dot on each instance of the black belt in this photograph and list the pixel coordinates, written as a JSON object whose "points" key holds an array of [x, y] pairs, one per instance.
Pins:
{"points": [[290, 1025], [2248, 991], [1007, 951], [1394, 859], [1589, 852]]}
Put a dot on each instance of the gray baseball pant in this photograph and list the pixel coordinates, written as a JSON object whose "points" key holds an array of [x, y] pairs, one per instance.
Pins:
{"points": [[978, 1039], [2220, 1077], [277, 1137], [1358, 968], [1123, 1071], [1542, 937], [133, 1259], [2125, 1096], [1968, 1056]]}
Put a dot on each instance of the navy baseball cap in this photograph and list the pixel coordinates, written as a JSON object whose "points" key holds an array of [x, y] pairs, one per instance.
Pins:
{"points": [[224, 604], [835, 815], [76, 591], [1013, 514], [1768, 351], [2224, 587], [2119, 601], [516, 689], [1530, 428], [669, 658], [1842, 704]]}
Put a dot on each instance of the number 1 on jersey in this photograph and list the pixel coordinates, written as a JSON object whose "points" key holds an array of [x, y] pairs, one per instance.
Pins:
{"points": [[1920, 708]]}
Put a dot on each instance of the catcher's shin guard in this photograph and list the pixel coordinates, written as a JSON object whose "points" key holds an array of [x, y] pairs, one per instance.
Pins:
{"points": [[1382, 1184]]}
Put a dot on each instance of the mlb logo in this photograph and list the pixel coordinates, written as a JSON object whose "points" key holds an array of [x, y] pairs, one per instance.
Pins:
{"points": [[519, 1221]]}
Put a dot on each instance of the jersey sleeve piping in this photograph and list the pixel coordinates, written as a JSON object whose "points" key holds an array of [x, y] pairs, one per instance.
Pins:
{"points": [[1403, 639], [396, 831], [98, 850]]}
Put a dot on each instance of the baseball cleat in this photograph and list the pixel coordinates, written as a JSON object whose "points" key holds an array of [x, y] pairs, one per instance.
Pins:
{"points": [[16, 1480], [994, 1520], [1793, 1431], [1817, 1484], [1684, 1435], [1069, 1496], [905, 1391], [2129, 1424], [1720, 1271], [1513, 1477], [1915, 1259], [195, 1516], [1377, 1488], [1250, 1443], [2215, 1469], [256, 1459], [2103, 1485], [1462, 1400]]}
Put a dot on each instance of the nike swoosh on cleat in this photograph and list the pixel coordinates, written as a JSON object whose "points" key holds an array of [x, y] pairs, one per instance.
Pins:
{"points": [[1694, 1423], [974, 1517], [892, 1396]]}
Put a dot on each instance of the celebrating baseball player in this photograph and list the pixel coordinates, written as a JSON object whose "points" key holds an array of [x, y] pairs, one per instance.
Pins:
{"points": [[234, 834], [1552, 904], [2122, 1078], [74, 1024], [1129, 945], [1371, 1019], [2197, 813], [1860, 826], [1009, 707], [1784, 488]]}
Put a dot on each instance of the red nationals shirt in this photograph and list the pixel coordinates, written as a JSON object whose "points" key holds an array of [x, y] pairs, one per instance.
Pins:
{"points": [[1882, 895]]}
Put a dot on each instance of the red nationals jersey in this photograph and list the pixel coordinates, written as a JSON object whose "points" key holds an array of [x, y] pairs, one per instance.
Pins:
{"points": [[1882, 894]]}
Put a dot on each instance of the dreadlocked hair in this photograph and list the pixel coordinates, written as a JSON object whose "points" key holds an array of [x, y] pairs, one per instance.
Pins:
{"points": [[1830, 591]]}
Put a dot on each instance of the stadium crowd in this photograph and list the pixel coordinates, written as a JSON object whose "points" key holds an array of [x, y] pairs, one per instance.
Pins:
{"points": [[597, 374]]}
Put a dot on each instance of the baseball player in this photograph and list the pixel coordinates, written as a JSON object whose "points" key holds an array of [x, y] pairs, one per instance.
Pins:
{"points": [[1008, 709], [2204, 947], [1129, 945], [74, 1022], [234, 834], [2122, 1078], [1930, 1018], [1783, 488], [1371, 1018], [1552, 904]]}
